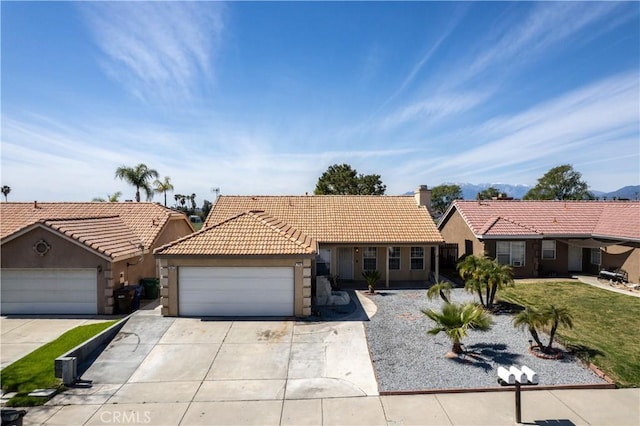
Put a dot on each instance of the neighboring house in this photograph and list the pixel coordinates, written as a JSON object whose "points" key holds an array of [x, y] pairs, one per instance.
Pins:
{"points": [[258, 255], [68, 258], [548, 238]]}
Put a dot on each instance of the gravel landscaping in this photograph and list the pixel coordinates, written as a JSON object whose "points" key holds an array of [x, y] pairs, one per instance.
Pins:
{"points": [[406, 358]]}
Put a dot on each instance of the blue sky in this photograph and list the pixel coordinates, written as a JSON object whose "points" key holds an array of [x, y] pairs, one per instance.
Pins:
{"points": [[260, 98]]}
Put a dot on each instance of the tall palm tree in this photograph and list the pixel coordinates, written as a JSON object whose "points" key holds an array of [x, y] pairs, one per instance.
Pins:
{"points": [[456, 320], [556, 316], [470, 271], [138, 176], [163, 187], [531, 319], [498, 276], [6, 189], [442, 289]]}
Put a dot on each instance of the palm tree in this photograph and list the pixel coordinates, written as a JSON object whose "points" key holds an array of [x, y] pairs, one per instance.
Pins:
{"points": [[371, 277], [442, 289], [112, 198], [484, 274], [138, 176], [470, 271], [556, 316], [531, 319], [456, 320], [6, 189], [163, 187]]}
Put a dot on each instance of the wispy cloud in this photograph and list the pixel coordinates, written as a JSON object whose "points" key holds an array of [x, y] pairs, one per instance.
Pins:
{"points": [[569, 128], [157, 50]]}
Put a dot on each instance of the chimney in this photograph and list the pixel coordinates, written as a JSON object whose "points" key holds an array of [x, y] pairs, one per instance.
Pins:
{"points": [[423, 196]]}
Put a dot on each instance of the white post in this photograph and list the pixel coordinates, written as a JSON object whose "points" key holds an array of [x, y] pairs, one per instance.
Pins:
{"points": [[387, 268]]}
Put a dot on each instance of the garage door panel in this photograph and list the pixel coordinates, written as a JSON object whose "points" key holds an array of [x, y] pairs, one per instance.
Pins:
{"points": [[236, 291], [49, 291]]}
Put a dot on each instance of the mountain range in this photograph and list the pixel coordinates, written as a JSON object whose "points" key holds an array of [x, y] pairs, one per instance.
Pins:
{"points": [[518, 191]]}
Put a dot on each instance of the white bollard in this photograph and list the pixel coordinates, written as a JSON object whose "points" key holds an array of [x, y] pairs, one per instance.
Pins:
{"points": [[519, 375], [506, 376], [532, 376]]}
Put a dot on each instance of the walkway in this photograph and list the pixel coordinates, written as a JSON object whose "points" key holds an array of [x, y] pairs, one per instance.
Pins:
{"points": [[594, 281]]}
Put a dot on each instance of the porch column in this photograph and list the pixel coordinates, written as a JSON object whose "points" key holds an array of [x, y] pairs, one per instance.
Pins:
{"points": [[437, 276], [387, 268]]}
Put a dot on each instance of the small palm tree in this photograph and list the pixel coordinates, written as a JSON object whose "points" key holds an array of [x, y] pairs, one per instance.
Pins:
{"points": [[455, 320], [6, 189], [162, 187], [371, 277], [484, 274], [115, 197], [536, 320], [556, 316], [531, 319], [138, 176], [470, 271], [442, 289]]}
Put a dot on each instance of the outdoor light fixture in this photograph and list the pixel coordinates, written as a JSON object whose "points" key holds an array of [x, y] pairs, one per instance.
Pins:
{"points": [[517, 377]]}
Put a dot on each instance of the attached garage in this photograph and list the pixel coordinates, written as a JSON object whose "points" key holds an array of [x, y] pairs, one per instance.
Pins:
{"points": [[236, 291], [49, 291]]}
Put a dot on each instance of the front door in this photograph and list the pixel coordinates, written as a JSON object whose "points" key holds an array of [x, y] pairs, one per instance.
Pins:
{"points": [[575, 259], [345, 263]]}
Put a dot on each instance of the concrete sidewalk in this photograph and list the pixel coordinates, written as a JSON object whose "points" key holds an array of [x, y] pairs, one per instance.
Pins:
{"points": [[556, 407]]}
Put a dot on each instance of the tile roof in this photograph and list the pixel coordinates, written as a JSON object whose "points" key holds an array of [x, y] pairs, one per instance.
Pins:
{"points": [[359, 219], [495, 218], [110, 228], [253, 233]]}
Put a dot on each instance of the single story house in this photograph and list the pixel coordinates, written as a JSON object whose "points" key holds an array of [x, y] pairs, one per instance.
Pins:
{"points": [[548, 238], [258, 255], [68, 258]]}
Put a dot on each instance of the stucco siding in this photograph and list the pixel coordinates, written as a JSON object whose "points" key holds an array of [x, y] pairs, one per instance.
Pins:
{"points": [[18, 253], [170, 284]]}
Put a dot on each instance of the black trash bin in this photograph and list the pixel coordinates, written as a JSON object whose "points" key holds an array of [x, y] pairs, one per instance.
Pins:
{"points": [[135, 297], [151, 287], [12, 417], [124, 299]]}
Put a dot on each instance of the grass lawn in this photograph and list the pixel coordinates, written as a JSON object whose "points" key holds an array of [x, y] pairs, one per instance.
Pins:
{"points": [[606, 325], [37, 371]]}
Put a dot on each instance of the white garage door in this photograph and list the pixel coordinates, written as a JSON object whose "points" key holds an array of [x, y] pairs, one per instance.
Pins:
{"points": [[48, 291], [229, 291]]}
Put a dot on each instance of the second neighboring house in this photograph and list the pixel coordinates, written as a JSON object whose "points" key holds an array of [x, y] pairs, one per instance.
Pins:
{"points": [[548, 238], [68, 258], [258, 255]]}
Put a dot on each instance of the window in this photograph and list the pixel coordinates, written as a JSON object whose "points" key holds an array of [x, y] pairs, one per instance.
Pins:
{"points": [[510, 253], [323, 262], [394, 258], [596, 256], [369, 259], [548, 250], [417, 258]]}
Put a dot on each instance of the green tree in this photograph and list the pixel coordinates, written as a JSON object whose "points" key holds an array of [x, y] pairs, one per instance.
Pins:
{"points": [[206, 208], [560, 183], [531, 319], [162, 187], [342, 179], [556, 316], [488, 194], [371, 277], [537, 320], [5, 191], [443, 195], [455, 320], [138, 176], [484, 274], [112, 198], [442, 289]]}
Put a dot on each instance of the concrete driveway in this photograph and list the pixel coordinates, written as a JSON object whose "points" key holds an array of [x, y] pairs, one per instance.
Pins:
{"points": [[22, 335]]}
